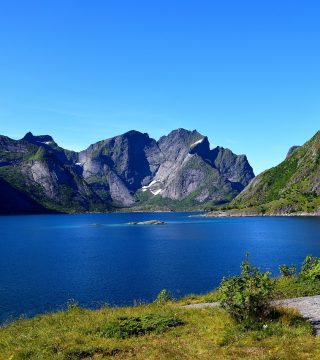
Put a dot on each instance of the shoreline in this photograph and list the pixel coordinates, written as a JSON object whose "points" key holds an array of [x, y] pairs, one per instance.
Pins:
{"points": [[243, 214]]}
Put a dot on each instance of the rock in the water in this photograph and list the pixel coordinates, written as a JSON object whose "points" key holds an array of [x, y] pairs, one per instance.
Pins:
{"points": [[148, 222]]}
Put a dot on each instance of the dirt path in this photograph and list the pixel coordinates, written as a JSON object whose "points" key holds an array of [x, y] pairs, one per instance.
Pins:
{"points": [[309, 308]]}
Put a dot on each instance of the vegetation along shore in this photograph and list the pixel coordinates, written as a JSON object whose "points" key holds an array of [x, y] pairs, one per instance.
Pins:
{"points": [[248, 324]]}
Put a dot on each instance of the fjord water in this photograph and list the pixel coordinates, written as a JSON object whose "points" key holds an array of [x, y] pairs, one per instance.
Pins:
{"points": [[46, 260]]}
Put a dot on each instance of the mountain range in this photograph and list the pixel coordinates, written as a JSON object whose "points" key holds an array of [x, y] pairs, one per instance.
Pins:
{"points": [[132, 170]]}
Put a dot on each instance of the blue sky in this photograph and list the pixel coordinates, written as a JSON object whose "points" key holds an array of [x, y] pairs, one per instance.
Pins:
{"points": [[246, 73]]}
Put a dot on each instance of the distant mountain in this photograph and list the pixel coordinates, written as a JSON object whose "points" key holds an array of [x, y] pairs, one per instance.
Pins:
{"points": [[292, 186], [45, 173], [179, 171]]}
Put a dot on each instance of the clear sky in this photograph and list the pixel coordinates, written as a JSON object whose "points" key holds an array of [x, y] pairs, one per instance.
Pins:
{"points": [[246, 73]]}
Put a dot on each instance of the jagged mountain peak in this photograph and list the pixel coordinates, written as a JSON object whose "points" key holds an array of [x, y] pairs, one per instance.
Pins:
{"points": [[134, 133], [46, 139], [182, 135]]}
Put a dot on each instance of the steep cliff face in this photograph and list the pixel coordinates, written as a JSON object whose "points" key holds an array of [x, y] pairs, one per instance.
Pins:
{"points": [[123, 171], [38, 170], [117, 167], [188, 170], [292, 186], [235, 168]]}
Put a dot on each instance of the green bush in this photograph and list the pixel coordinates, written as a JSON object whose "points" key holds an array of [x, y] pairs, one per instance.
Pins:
{"points": [[247, 297], [127, 326], [311, 268], [163, 297], [287, 270]]}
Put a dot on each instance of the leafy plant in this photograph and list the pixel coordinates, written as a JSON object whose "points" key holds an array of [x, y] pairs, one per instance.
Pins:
{"points": [[311, 268], [163, 297], [287, 270], [127, 326], [247, 297]]}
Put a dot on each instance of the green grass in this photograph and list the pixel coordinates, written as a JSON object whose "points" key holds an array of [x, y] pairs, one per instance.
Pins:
{"points": [[127, 326], [38, 155], [194, 334], [164, 331], [288, 287]]}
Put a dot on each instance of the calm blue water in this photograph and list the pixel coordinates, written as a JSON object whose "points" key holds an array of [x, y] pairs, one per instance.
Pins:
{"points": [[48, 259]]}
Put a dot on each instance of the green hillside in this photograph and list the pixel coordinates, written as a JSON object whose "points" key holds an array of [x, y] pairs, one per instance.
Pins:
{"points": [[291, 187]]}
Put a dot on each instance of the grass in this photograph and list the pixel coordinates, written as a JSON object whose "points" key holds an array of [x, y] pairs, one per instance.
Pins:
{"points": [[195, 334], [164, 330], [127, 326], [288, 287]]}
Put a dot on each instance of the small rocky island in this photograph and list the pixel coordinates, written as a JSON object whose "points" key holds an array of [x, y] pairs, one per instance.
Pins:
{"points": [[148, 222]]}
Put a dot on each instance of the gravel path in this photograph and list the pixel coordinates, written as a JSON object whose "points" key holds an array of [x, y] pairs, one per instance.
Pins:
{"points": [[308, 307]]}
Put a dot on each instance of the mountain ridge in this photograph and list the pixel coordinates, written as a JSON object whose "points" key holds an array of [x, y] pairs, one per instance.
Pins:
{"points": [[131, 170]]}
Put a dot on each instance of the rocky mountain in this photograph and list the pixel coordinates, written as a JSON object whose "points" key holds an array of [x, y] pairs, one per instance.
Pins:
{"points": [[292, 186], [179, 171], [45, 174], [191, 173], [117, 167]]}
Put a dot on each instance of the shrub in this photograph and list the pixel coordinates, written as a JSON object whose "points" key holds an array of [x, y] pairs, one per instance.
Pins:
{"points": [[163, 297], [127, 326], [287, 270], [247, 297], [72, 304], [310, 269]]}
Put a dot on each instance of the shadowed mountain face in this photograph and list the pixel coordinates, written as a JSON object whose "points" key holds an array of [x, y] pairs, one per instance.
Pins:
{"points": [[46, 174], [178, 171], [292, 186], [14, 201], [116, 168]]}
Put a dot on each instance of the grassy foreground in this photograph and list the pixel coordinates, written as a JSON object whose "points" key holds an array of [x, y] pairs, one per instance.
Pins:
{"points": [[163, 331], [199, 334]]}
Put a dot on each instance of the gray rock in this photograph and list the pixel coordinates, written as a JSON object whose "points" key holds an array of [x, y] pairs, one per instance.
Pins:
{"points": [[147, 222]]}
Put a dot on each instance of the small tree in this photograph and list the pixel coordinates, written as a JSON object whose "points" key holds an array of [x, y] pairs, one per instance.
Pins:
{"points": [[247, 297], [287, 270]]}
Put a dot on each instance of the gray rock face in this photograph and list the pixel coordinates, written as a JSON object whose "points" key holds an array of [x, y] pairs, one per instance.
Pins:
{"points": [[113, 172], [37, 170], [191, 170], [117, 167], [235, 168]]}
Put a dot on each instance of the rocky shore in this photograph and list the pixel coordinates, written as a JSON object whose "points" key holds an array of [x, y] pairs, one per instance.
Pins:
{"points": [[219, 214]]}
